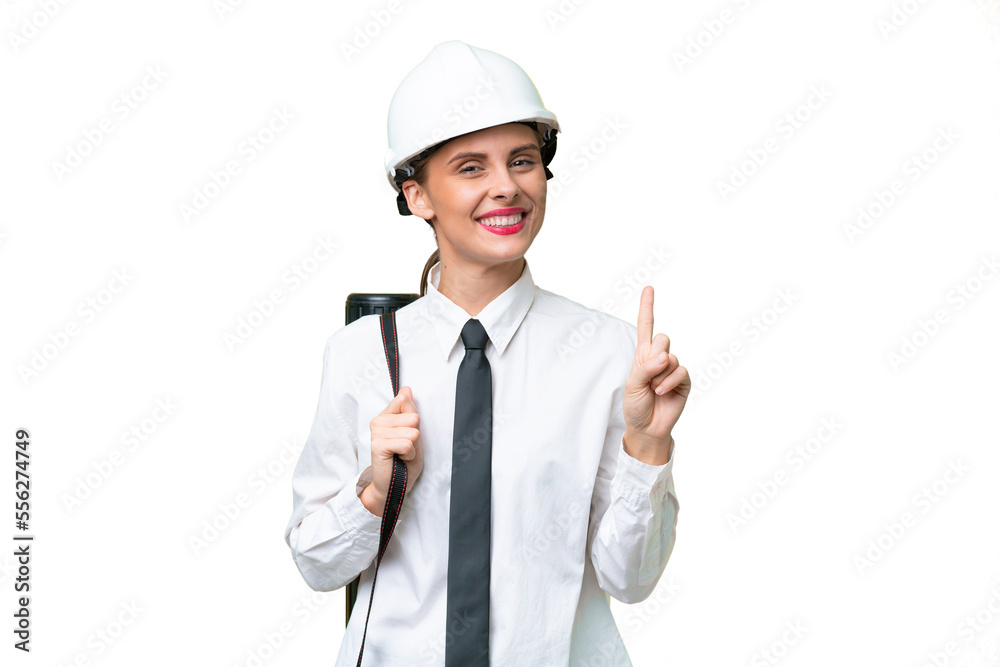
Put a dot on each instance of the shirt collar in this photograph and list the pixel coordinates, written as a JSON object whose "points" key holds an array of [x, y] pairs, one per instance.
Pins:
{"points": [[501, 317]]}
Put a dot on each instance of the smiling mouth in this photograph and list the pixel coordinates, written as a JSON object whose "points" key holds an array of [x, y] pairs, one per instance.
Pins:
{"points": [[502, 220]]}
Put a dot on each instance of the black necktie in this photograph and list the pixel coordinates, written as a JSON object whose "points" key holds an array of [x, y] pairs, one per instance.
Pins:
{"points": [[468, 620]]}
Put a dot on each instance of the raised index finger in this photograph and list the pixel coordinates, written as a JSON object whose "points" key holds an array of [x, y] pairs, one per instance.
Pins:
{"points": [[645, 324]]}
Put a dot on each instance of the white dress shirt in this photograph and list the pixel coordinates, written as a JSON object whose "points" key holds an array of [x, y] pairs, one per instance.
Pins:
{"points": [[574, 518]]}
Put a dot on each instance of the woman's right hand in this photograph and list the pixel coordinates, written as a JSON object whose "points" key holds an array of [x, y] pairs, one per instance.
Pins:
{"points": [[394, 431]]}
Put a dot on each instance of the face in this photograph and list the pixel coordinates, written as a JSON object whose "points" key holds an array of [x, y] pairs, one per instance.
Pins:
{"points": [[493, 176]]}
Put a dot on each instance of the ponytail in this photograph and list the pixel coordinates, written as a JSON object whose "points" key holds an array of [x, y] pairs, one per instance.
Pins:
{"points": [[434, 259]]}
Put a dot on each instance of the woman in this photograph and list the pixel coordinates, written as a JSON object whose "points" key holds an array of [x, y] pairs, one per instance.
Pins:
{"points": [[580, 496]]}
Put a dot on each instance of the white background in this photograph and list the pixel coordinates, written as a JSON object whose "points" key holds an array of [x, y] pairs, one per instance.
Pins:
{"points": [[893, 76]]}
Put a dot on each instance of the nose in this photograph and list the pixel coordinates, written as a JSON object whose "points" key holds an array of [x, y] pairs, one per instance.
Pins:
{"points": [[503, 186]]}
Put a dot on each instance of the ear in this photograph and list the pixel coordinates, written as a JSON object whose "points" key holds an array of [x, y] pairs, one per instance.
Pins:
{"points": [[416, 200]]}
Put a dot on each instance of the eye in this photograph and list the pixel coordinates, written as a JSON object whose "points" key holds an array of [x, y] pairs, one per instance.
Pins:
{"points": [[469, 168]]}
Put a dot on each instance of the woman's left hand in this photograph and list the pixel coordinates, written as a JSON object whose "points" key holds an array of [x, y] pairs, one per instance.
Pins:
{"points": [[655, 391]]}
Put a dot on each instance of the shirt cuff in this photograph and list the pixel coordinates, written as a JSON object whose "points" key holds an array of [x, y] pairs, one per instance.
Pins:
{"points": [[640, 483], [363, 526]]}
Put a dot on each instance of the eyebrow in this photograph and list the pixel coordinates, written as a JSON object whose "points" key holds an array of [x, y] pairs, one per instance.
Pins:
{"points": [[483, 155]]}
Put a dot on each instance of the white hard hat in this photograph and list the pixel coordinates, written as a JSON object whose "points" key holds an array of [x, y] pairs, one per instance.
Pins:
{"points": [[455, 90]]}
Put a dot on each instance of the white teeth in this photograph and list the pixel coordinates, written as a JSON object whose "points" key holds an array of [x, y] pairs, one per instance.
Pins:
{"points": [[501, 220]]}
